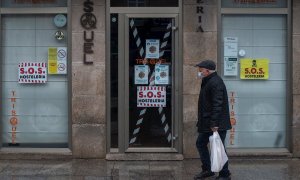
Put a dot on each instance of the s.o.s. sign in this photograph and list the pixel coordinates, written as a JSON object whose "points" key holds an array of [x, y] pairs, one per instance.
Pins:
{"points": [[151, 96], [32, 72]]}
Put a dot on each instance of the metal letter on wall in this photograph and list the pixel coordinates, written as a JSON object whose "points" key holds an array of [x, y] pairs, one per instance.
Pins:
{"points": [[88, 21], [200, 12]]}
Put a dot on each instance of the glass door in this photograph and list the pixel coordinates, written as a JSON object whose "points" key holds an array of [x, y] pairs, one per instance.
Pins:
{"points": [[149, 81]]}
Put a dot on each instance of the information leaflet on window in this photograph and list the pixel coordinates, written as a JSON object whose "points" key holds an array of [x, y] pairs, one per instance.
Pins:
{"points": [[231, 46], [32, 72], [151, 96], [141, 73], [161, 74], [254, 68], [230, 66], [152, 48]]}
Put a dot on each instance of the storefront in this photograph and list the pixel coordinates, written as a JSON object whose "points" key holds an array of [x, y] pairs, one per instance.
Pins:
{"points": [[34, 81], [260, 88], [116, 79]]}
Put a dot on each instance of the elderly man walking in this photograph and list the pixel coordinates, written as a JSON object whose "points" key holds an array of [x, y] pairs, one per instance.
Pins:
{"points": [[213, 115]]}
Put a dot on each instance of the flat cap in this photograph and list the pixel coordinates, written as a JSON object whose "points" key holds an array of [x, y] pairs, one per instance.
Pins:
{"points": [[208, 64]]}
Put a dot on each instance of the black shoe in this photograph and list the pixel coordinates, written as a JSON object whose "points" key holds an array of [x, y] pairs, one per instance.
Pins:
{"points": [[204, 174]]}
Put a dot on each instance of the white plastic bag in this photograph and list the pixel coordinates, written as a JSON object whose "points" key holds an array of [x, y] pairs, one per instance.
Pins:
{"points": [[218, 156]]}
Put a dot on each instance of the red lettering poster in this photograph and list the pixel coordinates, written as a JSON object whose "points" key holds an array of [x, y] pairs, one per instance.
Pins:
{"points": [[151, 96], [32, 72]]}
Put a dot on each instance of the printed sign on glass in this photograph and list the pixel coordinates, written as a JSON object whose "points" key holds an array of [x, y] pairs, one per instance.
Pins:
{"points": [[233, 105], [151, 96], [161, 74], [141, 73], [152, 48], [57, 60], [32, 72], [254, 68], [14, 119], [231, 46], [230, 66]]}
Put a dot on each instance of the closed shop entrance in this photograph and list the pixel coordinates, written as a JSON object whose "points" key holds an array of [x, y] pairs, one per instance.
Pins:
{"points": [[259, 101], [143, 83]]}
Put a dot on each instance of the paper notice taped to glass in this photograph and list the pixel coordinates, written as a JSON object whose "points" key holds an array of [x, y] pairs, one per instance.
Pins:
{"points": [[230, 66]]}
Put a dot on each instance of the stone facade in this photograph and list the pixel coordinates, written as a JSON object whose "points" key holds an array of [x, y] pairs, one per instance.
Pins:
{"points": [[196, 46], [88, 87], [88, 81]]}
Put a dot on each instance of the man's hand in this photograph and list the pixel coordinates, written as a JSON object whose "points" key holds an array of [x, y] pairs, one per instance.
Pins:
{"points": [[214, 129]]}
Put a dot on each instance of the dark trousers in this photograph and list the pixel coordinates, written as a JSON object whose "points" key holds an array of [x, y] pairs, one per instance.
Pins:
{"points": [[202, 142]]}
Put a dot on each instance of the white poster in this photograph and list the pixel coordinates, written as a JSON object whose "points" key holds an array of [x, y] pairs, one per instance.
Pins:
{"points": [[161, 74], [230, 66], [61, 60], [152, 48], [231, 46], [32, 72], [151, 96], [141, 73]]}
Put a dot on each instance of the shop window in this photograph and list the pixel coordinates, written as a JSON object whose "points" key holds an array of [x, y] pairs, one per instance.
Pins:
{"points": [[258, 103], [254, 3], [34, 81], [33, 3], [143, 3]]}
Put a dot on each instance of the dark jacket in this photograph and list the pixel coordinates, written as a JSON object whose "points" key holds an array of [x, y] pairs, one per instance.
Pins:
{"points": [[213, 109]]}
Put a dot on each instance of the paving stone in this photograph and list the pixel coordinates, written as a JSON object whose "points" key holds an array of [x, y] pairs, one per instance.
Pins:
{"points": [[99, 169]]}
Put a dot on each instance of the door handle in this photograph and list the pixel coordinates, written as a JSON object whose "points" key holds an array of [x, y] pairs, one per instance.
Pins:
{"points": [[175, 137]]}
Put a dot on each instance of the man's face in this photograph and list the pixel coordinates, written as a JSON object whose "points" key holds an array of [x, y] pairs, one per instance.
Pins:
{"points": [[204, 71]]}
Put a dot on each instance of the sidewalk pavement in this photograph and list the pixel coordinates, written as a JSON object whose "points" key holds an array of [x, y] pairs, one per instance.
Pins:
{"points": [[82, 169]]}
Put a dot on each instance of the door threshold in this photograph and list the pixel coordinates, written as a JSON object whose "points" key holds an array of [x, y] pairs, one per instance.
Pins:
{"points": [[151, 150], [259, 152], [144, 157]]}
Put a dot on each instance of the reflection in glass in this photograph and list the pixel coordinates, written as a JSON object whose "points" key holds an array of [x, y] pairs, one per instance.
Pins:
{"points": [[258, 107], [33, 114], [150, 126], [114, 80]]}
